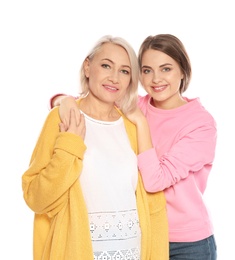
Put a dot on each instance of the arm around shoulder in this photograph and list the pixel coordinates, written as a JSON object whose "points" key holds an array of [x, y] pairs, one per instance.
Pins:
{"points": [[56, 99]]}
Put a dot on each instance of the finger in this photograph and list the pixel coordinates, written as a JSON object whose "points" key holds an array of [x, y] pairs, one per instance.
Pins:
{"points": [[81, 123], [73, 121], [64, 121], [62, 127], [82, 126], [77, 115], [82, 119]]}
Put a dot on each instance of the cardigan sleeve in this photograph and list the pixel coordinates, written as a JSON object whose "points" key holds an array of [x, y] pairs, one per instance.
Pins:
{"points": [[54, 167]]}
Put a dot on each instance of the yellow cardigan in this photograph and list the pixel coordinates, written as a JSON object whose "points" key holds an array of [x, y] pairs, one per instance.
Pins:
{"points": [[52, 190]]}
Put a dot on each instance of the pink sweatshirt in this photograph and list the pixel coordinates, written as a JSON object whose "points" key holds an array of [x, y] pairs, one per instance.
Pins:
{"points": [[184, 142]]}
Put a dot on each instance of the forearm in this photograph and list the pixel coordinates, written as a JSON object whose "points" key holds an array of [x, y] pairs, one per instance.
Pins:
{"points": [[143, 135], [55, 165], [45, 189]]}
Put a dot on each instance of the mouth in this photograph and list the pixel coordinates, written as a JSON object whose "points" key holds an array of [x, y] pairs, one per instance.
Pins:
{"points": [[159, 88], [110, 88]]}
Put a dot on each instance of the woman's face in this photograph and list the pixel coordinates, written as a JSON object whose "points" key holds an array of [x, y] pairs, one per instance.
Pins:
{"points": [[161, 77], [109, 73]]}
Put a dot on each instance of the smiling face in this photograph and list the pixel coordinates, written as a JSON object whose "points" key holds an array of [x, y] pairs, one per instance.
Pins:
{"points": [[161, 77], [109, 73]]}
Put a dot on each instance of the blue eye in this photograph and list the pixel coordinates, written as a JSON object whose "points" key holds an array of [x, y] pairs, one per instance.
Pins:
{"points": [[125, 72], [166, 69], [105, 66], [146, 71]]}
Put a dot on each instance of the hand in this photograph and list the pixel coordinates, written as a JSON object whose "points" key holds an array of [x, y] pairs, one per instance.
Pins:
{"points": [[136, 116], [142, 128], [66, 104], [76, 124]]}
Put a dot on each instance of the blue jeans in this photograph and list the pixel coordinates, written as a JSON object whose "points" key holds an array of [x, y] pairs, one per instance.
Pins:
{"points": [[200, 250]]}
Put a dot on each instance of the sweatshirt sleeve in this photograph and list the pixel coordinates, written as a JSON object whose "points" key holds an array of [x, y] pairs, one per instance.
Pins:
{"points": [[55, 165], [192, 152], [51, 100]]}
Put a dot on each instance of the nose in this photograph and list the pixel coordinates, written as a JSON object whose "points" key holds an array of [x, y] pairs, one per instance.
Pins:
{"points": [[156, 78], [114, 76]]}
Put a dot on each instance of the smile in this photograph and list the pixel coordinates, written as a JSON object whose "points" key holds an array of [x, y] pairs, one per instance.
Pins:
{"points": [[110, 88], [158, 89]]}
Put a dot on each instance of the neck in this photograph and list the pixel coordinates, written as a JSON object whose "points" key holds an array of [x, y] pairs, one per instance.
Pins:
{"points": [[98, 109], [172, 103]]}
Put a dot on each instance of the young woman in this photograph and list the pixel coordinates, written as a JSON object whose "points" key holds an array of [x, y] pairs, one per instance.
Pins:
{"points": [[83, 182], [178, 156]]}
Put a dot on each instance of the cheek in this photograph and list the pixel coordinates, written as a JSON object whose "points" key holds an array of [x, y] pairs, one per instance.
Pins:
{"points": [[95, 75], [173, 77], [178, 79], [175, 82], [145, 79], [125, 81]]}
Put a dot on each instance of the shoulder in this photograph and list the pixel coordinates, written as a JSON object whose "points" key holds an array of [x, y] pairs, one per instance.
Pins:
{"points": [[50, 127], [53, 117], [143, 100], [197, 110]]}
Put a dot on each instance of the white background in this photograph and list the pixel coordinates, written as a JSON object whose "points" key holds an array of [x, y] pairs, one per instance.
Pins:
{"points": [[42, 44]]}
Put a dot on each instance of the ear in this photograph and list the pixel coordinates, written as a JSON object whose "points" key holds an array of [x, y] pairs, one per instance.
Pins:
{"points": [[86, 67]]}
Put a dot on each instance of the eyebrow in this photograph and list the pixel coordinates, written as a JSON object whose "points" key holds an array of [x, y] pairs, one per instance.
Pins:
{"points": [[163, 65], [166, 64], [106, 59]]}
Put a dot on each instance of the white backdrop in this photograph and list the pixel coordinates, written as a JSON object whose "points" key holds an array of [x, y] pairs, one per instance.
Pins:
{"points": [[41, 48]]}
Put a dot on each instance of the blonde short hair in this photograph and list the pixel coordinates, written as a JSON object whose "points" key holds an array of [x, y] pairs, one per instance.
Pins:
{"points": [[129, 100]]}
